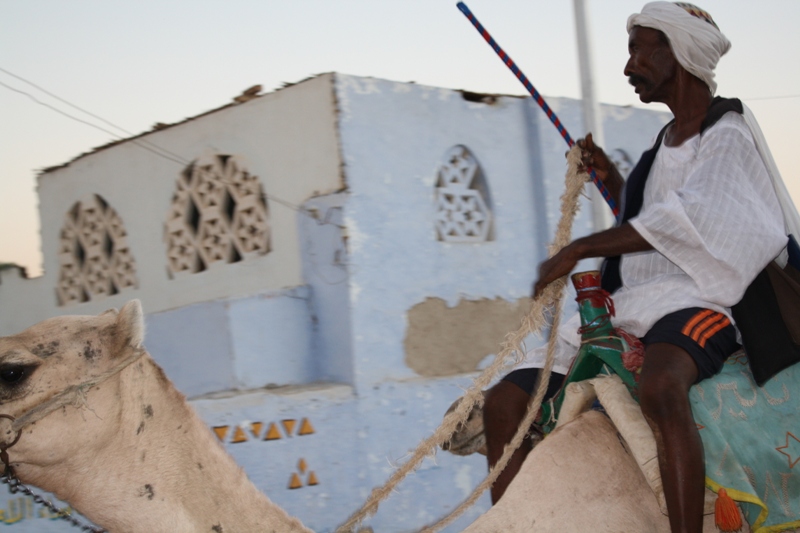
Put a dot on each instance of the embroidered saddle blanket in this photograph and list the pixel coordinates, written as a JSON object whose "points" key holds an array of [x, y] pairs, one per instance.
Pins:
{"points": [[751, 439]]}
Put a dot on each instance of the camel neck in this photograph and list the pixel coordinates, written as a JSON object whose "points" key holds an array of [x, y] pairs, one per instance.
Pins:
{"points": [[162, 470]]}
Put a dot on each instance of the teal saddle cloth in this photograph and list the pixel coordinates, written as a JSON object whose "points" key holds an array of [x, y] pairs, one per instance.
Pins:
{"points": [[751, 439]]}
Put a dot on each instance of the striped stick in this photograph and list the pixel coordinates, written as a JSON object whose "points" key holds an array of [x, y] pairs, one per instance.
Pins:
{"points": [[539, 100]]}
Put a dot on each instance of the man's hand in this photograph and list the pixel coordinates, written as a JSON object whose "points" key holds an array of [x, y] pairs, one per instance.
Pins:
{"points": [[593, 156], [557, 266], [608, 243]]}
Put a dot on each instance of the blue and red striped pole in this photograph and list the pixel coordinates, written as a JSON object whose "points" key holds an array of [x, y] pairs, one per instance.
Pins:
{"points": [[539, 100]]}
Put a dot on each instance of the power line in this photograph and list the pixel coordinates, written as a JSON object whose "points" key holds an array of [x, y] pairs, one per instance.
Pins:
{"points": [[773, 97], [45, 91], [90, 124], [98, 117], [175, 158]]}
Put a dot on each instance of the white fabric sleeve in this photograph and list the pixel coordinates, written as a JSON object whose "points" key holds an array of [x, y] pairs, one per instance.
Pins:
{"points": [[724, 224]]}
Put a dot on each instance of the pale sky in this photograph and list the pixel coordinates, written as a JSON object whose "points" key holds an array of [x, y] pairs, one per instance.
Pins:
{"points": [[140, 62]]}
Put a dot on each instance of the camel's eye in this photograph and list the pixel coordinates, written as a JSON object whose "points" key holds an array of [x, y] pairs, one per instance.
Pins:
{"points": [[12, 374]]}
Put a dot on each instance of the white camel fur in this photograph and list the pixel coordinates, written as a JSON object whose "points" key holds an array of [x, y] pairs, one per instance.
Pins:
{"points": [[582, 477], [132, 455]]}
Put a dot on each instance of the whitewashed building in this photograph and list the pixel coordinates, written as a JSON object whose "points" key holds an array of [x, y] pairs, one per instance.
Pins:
{"points": [[323, 270]]}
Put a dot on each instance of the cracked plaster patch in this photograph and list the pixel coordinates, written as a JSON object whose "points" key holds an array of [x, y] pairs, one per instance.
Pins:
{"points": [[444, 341]]}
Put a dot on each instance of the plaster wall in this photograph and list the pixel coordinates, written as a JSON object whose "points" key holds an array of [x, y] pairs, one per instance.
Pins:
{"points": [[325, 269], [442, 341], [271, 336], [287, 139], [357, 441], [23, 301], [254, 342]]}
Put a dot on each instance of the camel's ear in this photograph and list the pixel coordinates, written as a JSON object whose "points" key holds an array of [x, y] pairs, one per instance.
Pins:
{"points": [[130, 326]]}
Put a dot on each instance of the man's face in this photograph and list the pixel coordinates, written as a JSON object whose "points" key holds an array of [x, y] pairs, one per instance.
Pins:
{"points": [[652, 67]]}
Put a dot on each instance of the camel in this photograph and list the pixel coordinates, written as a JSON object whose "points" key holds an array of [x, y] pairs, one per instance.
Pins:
{"points": [[128, 453], [595, 472], [582, 477]]}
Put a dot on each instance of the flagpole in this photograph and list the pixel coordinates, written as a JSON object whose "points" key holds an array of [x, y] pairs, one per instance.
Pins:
{"points": [[592, 116]]}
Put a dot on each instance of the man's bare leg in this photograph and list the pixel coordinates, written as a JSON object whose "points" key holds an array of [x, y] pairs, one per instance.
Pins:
{"points": [[667, 374], [503, 410]]}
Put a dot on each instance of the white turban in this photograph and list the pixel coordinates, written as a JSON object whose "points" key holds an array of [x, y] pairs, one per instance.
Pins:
{"points": [[694, 37]]}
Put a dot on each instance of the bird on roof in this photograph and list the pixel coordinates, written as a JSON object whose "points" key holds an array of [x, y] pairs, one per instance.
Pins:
{"points": [[248, 94]]}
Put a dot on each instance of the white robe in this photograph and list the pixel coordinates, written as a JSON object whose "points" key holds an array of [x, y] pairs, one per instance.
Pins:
{"points": [[713, 217]]}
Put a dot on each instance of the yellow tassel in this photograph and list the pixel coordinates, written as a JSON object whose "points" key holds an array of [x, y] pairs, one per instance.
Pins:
{"points": [[726, 513]]}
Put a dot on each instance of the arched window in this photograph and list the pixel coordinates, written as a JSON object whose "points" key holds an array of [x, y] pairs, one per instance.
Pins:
{"points": [[463, 203], [94, 257], [218, 214]]}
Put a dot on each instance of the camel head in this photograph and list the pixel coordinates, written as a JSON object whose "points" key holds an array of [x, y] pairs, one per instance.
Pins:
{"points": [[469, 437], [105, 430], [52, 357]]}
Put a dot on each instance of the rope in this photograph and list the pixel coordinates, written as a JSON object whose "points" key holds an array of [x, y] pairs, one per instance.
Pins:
{"points": [[535, 320], [524, 427]]}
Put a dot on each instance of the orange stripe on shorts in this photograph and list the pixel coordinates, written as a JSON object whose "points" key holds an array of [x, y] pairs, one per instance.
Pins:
{"points": [[703, 326], [711, 331], [687, 329]]}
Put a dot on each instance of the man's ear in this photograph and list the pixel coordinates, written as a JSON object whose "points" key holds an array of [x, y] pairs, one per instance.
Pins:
{"points": [[130, 327]]}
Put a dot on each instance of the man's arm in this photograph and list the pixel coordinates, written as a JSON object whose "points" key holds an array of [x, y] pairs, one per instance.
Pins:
{"points": [[623, 239]]}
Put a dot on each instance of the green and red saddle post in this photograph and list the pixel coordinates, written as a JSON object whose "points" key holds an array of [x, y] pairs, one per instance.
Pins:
{"points": [[601, 346]]}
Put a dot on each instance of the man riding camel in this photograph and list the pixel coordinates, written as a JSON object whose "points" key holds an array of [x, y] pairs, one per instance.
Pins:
{"points": [[703, 213]]}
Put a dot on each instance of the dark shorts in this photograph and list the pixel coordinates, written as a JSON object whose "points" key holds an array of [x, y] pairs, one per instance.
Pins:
{"points": [[707, 336], [525, 379]]}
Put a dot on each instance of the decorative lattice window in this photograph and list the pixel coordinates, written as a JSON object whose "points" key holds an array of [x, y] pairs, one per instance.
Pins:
{"points": [[93, 253], [463, 204], [219, 215]]}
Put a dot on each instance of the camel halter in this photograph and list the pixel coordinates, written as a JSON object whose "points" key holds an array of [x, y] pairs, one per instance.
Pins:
{"points": [[73, 395], [547, 305]]}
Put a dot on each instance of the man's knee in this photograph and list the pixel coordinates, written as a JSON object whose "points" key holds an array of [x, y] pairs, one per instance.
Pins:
{"points": [[667, 374], [659, 397]]}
